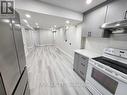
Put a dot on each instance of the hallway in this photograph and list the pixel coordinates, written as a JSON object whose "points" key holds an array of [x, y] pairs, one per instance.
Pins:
{"points": [[51, 73]]}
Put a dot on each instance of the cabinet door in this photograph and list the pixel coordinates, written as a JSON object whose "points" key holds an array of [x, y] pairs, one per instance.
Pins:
{"points": [[116, 10], [76, 62], [93, 21]]}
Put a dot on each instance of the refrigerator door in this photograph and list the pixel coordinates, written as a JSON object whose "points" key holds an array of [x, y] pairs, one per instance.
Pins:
{"points": [[8, 59], [2, 88], [27, 92], [19, 41], [20, 90]]}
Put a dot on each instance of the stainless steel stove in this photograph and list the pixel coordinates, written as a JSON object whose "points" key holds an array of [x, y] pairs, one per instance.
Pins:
{"points": [[107, 74]]}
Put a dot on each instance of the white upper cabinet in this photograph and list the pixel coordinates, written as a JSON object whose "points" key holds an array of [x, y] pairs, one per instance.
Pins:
{"points": [[112, 12], [93, 21], [116, 10]]}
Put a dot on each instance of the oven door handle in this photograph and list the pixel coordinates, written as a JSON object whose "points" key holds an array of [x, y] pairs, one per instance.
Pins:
{"points": [[110, 73]]}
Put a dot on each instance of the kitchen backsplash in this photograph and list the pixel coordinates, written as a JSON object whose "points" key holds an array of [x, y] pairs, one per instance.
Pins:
{"points": [[98, 44]]}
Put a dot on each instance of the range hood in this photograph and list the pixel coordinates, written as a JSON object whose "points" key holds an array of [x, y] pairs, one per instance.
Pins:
{"points": [[115, 25], [118, 27]]}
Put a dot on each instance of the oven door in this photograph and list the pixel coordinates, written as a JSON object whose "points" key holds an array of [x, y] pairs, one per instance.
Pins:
{"points": [[100, 82]]}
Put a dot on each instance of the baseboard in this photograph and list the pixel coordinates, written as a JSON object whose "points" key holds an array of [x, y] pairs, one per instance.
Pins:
{"points": [[71, 57]]}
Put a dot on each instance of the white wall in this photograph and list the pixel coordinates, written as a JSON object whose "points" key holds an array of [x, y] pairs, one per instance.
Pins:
{"points": [[73, 37], [28, 38], [36, 38], [98, 44], [46, 37]]}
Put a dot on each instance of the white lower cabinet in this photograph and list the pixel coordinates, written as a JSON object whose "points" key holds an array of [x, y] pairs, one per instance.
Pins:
{"points": [[80, 65]]}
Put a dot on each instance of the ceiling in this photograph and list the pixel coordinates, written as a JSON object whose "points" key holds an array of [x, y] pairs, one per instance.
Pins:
{"points": [[47, 21], [75, 5], [44, 21]]}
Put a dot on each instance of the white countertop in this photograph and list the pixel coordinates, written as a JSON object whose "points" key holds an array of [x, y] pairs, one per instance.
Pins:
{"points": [[87, 53]]}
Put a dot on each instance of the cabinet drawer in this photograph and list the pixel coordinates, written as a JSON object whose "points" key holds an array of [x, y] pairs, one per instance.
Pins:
{"points": [[82, 71], [22, 84], [83, 68], [83, 65], [83, 60], [82, 75]]}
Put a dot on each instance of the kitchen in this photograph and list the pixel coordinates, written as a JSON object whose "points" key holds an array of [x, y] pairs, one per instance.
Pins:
{"points": [[66, 47]]}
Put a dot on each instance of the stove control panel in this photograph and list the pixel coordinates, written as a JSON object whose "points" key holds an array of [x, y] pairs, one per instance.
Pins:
{"points": [[116, 52], [123, 53]]}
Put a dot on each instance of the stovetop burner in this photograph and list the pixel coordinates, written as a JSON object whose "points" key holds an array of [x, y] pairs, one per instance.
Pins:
{"points": [[112, 63]]}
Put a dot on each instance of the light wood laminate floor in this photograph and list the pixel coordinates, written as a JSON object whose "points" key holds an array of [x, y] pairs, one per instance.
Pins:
{"points": [[51, 73]]}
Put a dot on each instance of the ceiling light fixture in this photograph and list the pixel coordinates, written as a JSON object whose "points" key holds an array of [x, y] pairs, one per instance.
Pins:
{"points": [[67, 21], [28, 16], [13, 21], [88, 1]]}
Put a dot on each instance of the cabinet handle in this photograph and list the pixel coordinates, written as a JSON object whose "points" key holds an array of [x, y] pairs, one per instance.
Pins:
{"points": [[81, 72], [83, 64], [84, 58], [125, 15]]}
